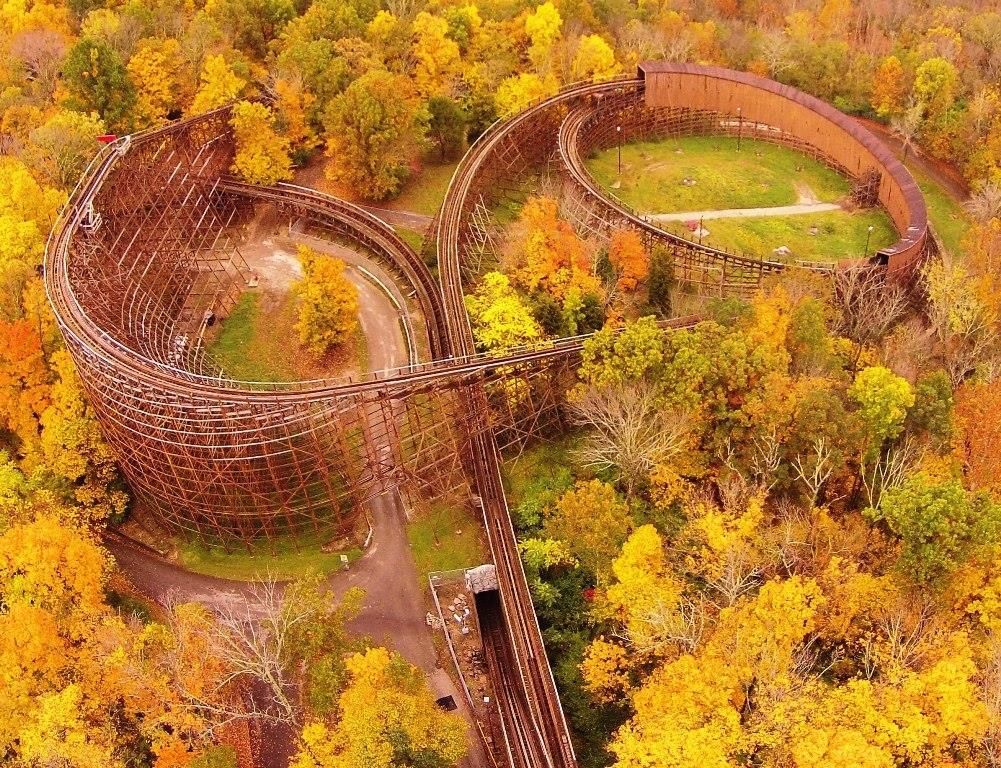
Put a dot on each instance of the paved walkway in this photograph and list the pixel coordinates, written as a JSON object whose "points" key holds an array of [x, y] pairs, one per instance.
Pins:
{"points": [[748, 213]]}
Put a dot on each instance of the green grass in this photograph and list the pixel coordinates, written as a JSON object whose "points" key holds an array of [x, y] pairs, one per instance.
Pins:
{"points": [[946, 215], [538, 467], [425, 190], [242, 350], [759, 175], [287, 559], [411, 237], [256, 343], [445, 538], [841, 235]]}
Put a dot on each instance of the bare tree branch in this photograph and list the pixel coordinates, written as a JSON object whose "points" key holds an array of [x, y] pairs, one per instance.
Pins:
{"points": [[629, 431]]}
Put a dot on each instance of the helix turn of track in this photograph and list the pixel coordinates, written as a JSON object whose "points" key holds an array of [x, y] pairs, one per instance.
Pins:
{"points": [[146, 230]]}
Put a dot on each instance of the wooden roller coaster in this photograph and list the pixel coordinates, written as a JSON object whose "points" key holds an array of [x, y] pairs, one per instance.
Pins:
{"points": [[147, 251]]}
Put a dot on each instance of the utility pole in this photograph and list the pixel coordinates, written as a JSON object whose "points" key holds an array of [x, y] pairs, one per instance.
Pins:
{"points": [[618, 133]]}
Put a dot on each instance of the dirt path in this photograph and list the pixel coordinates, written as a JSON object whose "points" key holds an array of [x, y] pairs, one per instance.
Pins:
{"points": [[748, 213], [417, 221]]}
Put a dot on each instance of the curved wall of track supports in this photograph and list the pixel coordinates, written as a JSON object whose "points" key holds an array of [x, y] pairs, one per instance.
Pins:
{"points": [[143, 255]]}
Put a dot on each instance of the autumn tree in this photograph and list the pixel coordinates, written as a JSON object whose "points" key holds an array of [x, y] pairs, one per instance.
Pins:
{"points": [[73, 452], [24, 384], [157, 69], [978, 435], [963, 314], [935, 82], [543, 26], [499, 317], [883, 399], [592, 520], [888, 87], [62, 146], [97, 80], [250, 25], [630, 259], [328, 302], [374, 130], [544, 252], [519, 91], [262, 155], [594, 60], [436, 55], [219, 85], [81, 686], [387, 718]]}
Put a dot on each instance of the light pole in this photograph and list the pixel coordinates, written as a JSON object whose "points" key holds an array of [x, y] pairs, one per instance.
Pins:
{"points": [[740, 127], [618, 134], [868, 234]]}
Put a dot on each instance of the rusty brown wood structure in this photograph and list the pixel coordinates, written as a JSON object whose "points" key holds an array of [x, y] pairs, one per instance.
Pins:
{"points": [[148, 251]]}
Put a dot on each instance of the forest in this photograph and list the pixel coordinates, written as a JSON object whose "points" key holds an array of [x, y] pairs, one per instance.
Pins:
{"points": [[768, 540]]}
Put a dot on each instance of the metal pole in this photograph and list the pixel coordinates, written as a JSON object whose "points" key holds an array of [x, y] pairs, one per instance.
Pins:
{"points": [[618, 133], [740, 127], [868, 234]]}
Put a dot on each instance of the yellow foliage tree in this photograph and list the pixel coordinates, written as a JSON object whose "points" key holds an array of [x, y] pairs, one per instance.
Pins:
{"points": [[219, 85], [328, 309], [262, 156], [73, 450], [594, 60], [592, 520], [543, 28], [499, 317], [518, 91], [436, 55], [155, 68], [388, 719]]}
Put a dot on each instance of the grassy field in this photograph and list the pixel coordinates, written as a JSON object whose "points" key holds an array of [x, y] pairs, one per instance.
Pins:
{"points": [[425, 190], [445, 538], [257, 342], [840, 234], [759, 175], [411, 237], [946, 215], [288, 560]]}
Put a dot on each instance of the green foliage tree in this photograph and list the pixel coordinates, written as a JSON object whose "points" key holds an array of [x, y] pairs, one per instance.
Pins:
{"points": [[98, 81], [375, 130], [939, 523], [446, 127], [883, 399]]}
